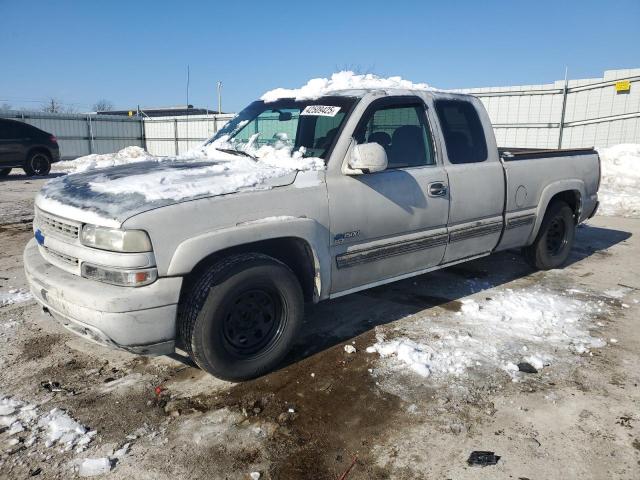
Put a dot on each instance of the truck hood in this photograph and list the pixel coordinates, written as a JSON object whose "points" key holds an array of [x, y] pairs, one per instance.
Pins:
{"points": [[109, 196]]}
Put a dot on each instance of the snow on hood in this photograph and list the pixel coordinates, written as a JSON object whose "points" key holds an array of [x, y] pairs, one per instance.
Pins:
{"points": [[620, 186], [89, 162], [345, 80], [135, 184]]}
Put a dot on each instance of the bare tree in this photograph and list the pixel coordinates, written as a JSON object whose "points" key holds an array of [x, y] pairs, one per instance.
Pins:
{"points": [[103, 105], [52, 105]]}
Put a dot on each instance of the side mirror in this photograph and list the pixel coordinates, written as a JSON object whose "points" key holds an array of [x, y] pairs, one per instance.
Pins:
{"points": [[367, 158]]}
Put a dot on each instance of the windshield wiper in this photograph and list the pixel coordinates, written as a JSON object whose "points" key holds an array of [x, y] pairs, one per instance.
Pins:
{"points": [[236, 152]]}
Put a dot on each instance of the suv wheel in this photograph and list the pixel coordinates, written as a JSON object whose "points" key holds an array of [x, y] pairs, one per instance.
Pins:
{"points": [[553, 244], [240, 317], [4, 172], [38, 163]]}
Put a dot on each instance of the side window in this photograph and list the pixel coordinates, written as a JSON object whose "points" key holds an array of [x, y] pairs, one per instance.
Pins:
{"points": [[462, 130], [402, 131], [7, 130]]}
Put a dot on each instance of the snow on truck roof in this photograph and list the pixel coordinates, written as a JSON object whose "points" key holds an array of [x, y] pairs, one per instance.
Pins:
{"points": [[345, 83]]}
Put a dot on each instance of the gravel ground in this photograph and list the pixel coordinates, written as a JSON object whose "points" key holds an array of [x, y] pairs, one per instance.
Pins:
{"points": [[326, 409]]}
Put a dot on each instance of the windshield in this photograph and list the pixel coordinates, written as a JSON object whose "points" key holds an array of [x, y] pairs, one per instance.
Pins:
{"points": [[309, 127]]}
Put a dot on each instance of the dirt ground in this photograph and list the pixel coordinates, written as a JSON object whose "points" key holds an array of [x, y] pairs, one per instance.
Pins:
{"points": [[326, 409]]}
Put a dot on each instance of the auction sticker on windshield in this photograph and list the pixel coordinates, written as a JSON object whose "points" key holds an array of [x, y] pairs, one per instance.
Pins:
{"points": [[321, 110]]}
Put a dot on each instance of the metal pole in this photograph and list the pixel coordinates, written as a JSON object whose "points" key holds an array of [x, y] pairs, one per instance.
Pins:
{"points": [[564, 106], [175, 134], [90, 134], [219, 85]]}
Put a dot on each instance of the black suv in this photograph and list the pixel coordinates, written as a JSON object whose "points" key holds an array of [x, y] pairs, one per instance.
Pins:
{"points": [[27, 147]]}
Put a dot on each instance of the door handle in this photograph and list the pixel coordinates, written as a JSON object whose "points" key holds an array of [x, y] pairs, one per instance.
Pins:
{"points": [[437, 189]]}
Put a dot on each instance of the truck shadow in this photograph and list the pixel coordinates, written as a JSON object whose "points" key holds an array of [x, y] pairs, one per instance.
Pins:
{"points": [[335, 321], [15, 177]]}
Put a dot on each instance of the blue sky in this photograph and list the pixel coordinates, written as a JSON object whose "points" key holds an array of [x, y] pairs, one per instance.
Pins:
{"points": [[137, 52]]}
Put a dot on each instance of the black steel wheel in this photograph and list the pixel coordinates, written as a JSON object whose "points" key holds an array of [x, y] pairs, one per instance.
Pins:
{"points": [[554, 241], [38, 163], [253, 319], [240, 316]]}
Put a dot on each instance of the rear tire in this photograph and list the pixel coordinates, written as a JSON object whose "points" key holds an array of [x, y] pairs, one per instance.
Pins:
{"points": [[241, 316], [4, 172], [554, 241], [38, 163]]}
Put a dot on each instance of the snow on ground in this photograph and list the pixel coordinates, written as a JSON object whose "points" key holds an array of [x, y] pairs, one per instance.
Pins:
{"points": [[15, 295], [90, 162], [53, 428], [620, 187], [534, 326], [345, 80]]}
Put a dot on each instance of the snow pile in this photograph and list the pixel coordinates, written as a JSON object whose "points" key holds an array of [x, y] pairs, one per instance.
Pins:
{"points": [[15, 295], [55, 427], [90, 162], [620, 186], [345, 80], [534, 326]]}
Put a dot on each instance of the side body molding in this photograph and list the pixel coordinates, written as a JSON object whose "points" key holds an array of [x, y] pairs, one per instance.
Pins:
{"points": [[547, 194], [193, 250]]}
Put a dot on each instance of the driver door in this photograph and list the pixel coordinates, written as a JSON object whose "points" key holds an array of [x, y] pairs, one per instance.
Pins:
{"points": [[392, 223]]}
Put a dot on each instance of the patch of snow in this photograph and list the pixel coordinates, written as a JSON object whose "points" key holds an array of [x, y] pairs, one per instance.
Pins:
{"points": [[350, 349], [94, 161], [91, 467], [55, 427], [60, 429], [344, 80], [620, 186], [255, 475], [493, 334], [122, 451], [15, 295], [617, 293]]}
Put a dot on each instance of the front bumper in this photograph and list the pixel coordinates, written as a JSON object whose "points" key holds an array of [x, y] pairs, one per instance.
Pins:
{"points": [[141, 320]]}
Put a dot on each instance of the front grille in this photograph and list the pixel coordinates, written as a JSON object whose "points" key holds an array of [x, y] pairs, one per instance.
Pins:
{"points": [[56, 227], [61, 257]]}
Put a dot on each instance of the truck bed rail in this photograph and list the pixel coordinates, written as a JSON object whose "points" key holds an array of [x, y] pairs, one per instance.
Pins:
{"points": [[509, 154]]}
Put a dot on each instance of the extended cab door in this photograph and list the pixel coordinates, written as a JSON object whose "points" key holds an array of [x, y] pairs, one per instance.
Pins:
{"points": [[390, 223], [476, 178]]}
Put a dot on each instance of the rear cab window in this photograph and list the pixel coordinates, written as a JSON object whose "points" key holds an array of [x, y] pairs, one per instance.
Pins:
{"points": [[462, 130]]}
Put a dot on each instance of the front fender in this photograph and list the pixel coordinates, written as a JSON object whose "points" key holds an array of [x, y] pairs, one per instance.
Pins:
{"points": [[573, 185], [190, 252]]}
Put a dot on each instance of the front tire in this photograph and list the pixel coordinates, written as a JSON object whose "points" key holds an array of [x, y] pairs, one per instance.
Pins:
{"points": [[4, 172], [38, 163], [241, 316], [554, 241]]}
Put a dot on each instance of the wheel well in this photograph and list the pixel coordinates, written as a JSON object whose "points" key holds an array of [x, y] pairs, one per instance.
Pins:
{"points": [[38, 149], [571, 198], [292, 251]]}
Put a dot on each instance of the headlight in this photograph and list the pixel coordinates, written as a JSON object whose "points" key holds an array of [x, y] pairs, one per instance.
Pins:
{"points": [[121, 277], [115, 240]]}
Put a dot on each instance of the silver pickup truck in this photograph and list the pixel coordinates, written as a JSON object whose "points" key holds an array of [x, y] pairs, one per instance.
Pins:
{"points": [[406, 182]]}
